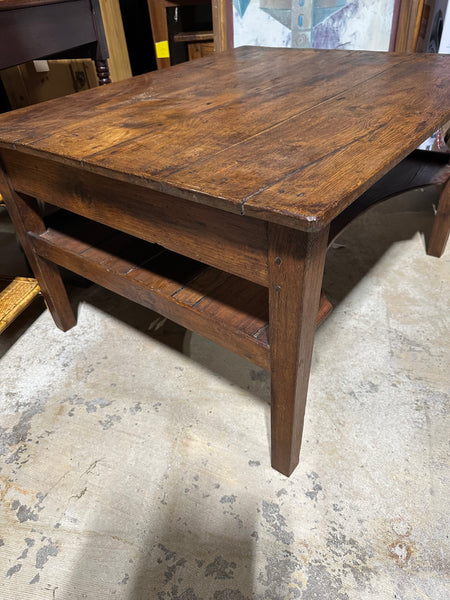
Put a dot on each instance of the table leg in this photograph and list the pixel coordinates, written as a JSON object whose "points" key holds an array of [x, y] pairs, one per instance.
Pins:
{"points": [[296, 261], [25, 216], [441, 225]]}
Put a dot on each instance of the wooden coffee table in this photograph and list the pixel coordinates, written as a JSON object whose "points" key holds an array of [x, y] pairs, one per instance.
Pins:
{"points": [[209, 192]]}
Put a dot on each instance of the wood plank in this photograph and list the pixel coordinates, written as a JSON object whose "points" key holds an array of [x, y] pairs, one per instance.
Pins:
{"points": [[119, 61], [228, 109], [152, 91], [121, 253], [408, 25], [281, 176], [242, 306], [420, 168], [222, 25], [207, 126], [230, 242], [193, 36], [25, 216], [232, 301], [296, 261], [199, 287], [169, 273], [320, 187], [199, 49], [50, 246]]}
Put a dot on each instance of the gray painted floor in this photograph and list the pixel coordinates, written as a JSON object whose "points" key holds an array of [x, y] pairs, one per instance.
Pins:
{"points": [[134, 457]]}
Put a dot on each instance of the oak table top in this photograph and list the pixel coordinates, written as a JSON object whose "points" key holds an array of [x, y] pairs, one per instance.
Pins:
{"points": [[291, 136], [209, 192]]}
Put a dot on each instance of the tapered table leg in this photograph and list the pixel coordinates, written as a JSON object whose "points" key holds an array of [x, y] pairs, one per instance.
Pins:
{"points": [[25, 216], [296, 261], [441, 225]]}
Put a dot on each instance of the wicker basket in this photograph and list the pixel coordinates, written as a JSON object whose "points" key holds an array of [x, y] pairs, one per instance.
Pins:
{"points": [[16, 293]]}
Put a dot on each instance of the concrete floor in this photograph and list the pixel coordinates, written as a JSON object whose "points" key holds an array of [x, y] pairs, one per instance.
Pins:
{"points": [[134, 457]]}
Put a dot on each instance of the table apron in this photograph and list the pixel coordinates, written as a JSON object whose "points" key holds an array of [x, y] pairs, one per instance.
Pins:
{"points": [[233, 243]]}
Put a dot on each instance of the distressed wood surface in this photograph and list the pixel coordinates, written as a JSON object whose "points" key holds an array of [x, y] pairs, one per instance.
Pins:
{"points": [[229, 242], [296, 262], [285, 135], [224, 308], [285, 139], [25, 215]]}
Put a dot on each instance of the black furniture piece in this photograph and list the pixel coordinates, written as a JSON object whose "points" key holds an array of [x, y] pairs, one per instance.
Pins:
{"points": [[35, 29]]}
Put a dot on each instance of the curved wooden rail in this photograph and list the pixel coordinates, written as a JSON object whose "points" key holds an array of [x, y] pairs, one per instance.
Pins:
{"points": [[420, 168]]}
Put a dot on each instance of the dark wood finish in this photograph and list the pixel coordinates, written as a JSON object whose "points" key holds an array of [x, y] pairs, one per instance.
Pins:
{"points": [[441, 226], [421, 168], [166, 282], [25, 216], [102, 70], [194, 36], [15, 4], [224, 240], [296, 261], [44, 29], [248, 161], [232, 141], [161, 285]]}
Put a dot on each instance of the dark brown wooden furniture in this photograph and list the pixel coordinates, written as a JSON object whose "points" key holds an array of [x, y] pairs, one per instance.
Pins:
{"points": [[34, 29], [231, 173]]}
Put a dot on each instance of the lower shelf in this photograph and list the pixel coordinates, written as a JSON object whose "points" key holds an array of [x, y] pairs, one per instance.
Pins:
{"points": [[227, 309]]}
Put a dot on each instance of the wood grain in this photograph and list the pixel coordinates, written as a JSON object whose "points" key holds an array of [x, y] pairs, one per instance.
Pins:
{"points": [[230, 242], [224, 317], [290, 136], [119, 61], [25, 216], [241, 160], [408, 25], [296, 261]]}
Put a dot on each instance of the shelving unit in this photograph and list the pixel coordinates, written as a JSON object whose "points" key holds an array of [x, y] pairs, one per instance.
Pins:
{"points": [[218, 37]]}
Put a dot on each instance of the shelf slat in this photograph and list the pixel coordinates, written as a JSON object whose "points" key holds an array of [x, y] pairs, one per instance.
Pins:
{"points": [[194, 36], [227, 309], [162, 280]]}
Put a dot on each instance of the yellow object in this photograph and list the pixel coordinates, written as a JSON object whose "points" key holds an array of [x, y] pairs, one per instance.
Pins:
{"points": [[16, 293], [162, 49]]}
